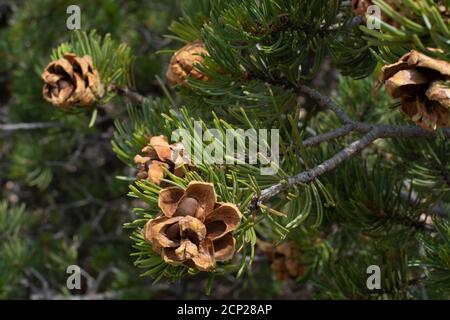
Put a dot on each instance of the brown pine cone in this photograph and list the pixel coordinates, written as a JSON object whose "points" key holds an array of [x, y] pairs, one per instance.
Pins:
{"points": [[193, 229], [160, 155], [285, 258], [182, 63], [423, 85], [72, 81]]}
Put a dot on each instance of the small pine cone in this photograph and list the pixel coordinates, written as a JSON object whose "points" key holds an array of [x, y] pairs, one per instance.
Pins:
{"points": [[193, 229], [360, 6], [422, 84], [182, 63], [72, 81], [159, 155], [285, 258]]}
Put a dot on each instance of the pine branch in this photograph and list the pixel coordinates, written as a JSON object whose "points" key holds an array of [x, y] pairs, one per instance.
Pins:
{"points": [[372, 133], [340, 132], [133, 96], [326, 103], [29, 126], [310, 175]]}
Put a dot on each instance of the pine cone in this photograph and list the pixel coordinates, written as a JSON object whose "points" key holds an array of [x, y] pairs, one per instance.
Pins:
{"points": [[422, 84], [360, 6], [159, 155], [182, 64], [72, 81], [285, 259], [193, 229]]}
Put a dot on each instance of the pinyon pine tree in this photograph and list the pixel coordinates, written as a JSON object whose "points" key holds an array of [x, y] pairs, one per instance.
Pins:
{"points": [[337, 114]]}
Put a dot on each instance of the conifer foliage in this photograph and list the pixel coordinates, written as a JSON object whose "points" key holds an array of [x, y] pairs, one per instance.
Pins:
{"points": [[349, 169]]}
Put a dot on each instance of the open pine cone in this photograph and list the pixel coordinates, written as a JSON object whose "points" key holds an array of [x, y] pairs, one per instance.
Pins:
{"points": [[423, 85], [285, 260], [72, 81], [182, 63], [193, 229], [159, 155]]}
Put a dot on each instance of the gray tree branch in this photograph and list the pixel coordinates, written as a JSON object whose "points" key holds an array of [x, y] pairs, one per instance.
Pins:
{"points": [[371, 133], [133, 96], [29, 126]]}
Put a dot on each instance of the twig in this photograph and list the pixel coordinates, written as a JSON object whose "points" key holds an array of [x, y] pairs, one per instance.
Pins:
{"points": [[134, 97], [309, 175], [326, 103], [386, 131], [29, 126], [343, 131], [372, 133]]}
